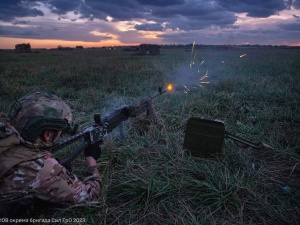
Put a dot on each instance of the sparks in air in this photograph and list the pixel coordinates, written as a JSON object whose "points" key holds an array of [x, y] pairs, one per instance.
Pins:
{"points": [[200, 65], [202, 80], [192, 49], [191, 64], [205, 76], [241, 56], [186, 89], [192, 56]]}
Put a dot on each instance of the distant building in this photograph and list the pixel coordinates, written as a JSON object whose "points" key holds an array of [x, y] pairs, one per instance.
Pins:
{"points": [[22, 48], [79, 47], [147, 49], [64, 48]]}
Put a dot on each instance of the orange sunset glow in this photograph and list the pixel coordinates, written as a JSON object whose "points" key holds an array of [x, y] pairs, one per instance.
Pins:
{"points": [[8, 43]]}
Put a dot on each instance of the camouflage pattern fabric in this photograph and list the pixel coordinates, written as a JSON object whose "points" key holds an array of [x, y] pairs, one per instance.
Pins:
{"points": [[9, 136], [53, 183], [38, 173], [37, 104]]}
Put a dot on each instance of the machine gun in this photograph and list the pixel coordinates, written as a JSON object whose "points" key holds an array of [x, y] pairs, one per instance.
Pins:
{"points": [[101, 128]]}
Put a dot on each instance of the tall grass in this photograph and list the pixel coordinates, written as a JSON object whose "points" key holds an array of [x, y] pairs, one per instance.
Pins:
{"points": [[148, 178]]}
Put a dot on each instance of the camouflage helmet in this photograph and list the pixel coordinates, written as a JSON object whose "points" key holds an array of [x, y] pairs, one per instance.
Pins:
{"points": [[32, 114]]}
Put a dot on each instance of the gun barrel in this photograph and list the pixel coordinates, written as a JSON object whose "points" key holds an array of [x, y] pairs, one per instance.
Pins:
{"points": [[160, 93]]}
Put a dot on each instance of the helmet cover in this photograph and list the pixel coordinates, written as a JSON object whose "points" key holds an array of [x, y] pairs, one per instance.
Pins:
{"points": [[25, 111]]}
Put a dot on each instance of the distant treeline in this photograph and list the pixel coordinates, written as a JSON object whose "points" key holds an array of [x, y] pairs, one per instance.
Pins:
{"points": [[224, 47]]}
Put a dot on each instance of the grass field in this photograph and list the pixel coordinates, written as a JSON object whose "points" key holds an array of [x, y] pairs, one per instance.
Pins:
{"points": [[148, 178]]}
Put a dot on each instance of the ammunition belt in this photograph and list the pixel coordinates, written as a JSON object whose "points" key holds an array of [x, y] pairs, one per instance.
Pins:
{"points": [[177, 127]]}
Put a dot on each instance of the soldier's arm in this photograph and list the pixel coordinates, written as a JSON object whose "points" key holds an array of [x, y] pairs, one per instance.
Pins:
{"points": [[53, 183]]}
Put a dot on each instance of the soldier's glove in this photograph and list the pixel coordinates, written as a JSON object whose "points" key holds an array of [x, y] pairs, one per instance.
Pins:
{"points": [[93, 150]]}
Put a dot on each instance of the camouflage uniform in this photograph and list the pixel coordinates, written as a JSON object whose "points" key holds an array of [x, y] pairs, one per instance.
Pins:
{"points": [[27, 171]]}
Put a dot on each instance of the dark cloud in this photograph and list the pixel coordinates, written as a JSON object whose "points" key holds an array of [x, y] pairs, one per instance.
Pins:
{"points": [[64, 6], [195, 16], [295, 16], [198, 23], [182, 14], [11, 31], [213, 12], [290, 26], [68, 33], [130, 9], [119, 10], [185, 15], [90, 9], [161, 3], [178, 13], [189, 9], [17, 22], [258, 36], [254, 8], [270, 36], [10, 9], [149, 27], [294, 3]]}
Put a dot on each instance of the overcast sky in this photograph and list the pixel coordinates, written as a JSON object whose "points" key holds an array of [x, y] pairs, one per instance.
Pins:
{"points": [[50, 23]]}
